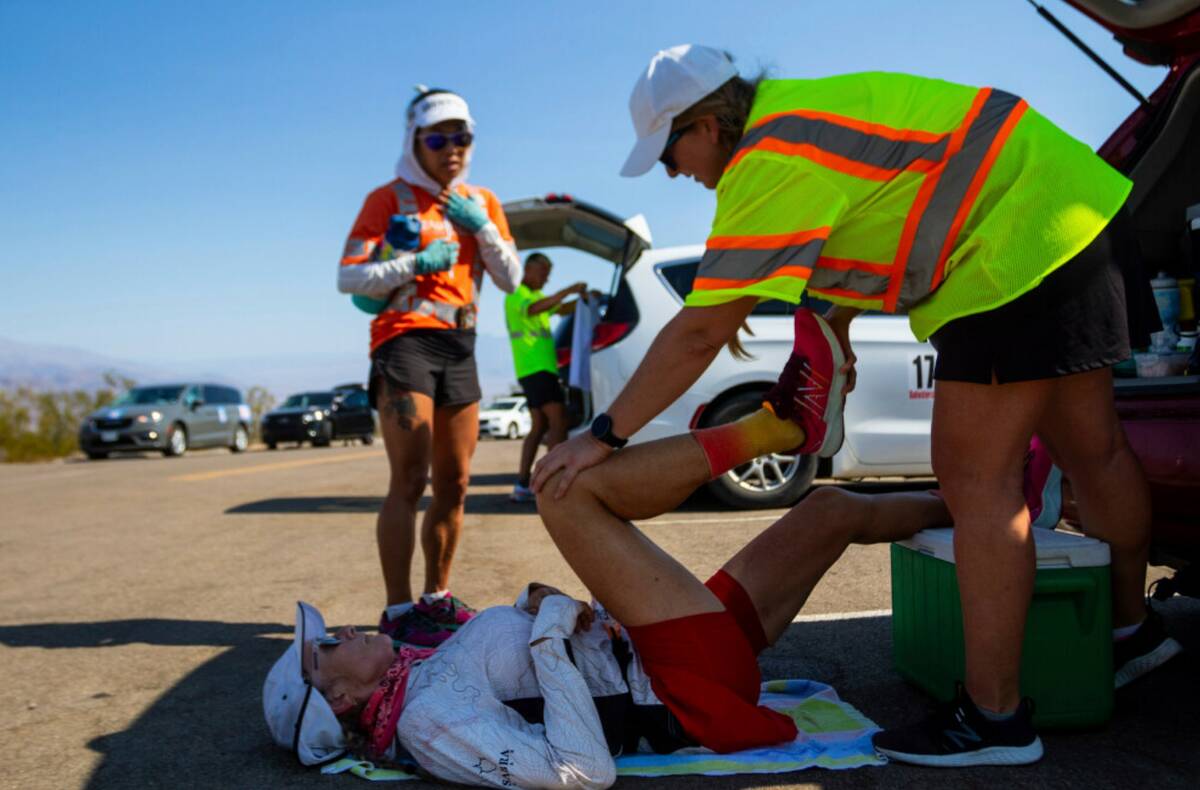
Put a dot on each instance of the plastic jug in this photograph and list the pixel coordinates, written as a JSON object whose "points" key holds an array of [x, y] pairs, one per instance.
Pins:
{"points": [[1166, 296]]}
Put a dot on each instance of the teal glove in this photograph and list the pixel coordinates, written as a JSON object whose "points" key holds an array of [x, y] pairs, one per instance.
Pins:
{"points": [[466, 212], [439, 256]]}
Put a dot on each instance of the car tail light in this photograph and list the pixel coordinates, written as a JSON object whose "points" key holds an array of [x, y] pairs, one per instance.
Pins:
{"points": [[555, 197], [564, 356], [605, 334]]}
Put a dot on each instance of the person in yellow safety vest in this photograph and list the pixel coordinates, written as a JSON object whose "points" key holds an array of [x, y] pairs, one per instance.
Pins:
{"points": [[527, 312], [1003, 239]]}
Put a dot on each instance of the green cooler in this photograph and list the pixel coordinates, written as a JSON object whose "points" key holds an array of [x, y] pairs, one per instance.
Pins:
{"points": [[1066, 660]]}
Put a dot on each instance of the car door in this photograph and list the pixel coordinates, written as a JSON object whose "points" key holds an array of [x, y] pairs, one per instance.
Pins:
{"points": [[356, 411], [562, 221], [219, 415]]}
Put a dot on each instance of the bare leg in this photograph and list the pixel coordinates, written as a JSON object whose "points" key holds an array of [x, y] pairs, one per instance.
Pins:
{"points": [[780, 567], [556, 415], [529, 448], [457, 431], [406, 422], [980, 435], [1081, 430], [635, 579]]}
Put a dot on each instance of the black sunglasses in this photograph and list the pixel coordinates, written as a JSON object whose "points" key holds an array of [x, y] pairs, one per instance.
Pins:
{"points": [[436, 141], [667, 158]]}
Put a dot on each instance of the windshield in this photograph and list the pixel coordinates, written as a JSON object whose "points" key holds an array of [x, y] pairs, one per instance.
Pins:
{"points": [[502, 405], [305, 399], [145, 396]]}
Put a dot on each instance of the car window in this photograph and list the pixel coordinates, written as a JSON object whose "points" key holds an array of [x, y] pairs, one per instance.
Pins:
{"points": [[146, 396], [220, 395], [503, 405], [232, 395], [356, 400], [680, 276], [319, 398]]}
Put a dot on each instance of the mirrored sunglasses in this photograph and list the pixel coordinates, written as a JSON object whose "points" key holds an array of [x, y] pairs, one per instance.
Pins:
{"points": [[436, 141]]}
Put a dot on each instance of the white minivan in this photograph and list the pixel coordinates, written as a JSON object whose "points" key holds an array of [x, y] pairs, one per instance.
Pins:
{"points": [[887, 416]]}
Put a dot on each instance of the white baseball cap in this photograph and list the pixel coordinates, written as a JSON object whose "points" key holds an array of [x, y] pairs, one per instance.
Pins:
{"points": [[438, 106], [676, 79], [298, 715]]}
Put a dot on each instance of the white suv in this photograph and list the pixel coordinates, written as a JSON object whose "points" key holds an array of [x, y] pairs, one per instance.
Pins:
{"points": [[887, 416]]}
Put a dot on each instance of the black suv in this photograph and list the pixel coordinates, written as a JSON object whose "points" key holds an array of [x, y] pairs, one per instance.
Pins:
{"points": [[320, 417]]}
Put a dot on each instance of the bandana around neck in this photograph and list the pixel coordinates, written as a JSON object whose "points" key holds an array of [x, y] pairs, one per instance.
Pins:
{"points": [[382, 711]]}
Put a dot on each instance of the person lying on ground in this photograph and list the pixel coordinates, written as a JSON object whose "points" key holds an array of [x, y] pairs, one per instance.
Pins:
{"points": [[545, 693]]}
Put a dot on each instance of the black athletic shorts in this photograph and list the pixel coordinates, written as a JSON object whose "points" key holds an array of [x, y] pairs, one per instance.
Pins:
{"points": [[1081, 317], [439, 363], [541, 388]]}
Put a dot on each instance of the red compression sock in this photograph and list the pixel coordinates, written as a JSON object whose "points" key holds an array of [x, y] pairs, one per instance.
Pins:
{"points": [[736, 443]]}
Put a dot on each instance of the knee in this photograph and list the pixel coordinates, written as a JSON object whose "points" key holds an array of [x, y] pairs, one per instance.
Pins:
{"points": [[558, 511], [408, 484], [829, 509], [451, 489]]}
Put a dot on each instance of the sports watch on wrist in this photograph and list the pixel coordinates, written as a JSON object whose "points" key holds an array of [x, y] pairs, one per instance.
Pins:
{"points": [[602, 431]]}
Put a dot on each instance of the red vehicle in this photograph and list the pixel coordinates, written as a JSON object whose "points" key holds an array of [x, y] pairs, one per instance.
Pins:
{"points": [[1158, 147]]}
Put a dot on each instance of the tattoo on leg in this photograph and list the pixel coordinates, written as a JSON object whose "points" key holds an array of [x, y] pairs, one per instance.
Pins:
{"points": [[401, 405]]}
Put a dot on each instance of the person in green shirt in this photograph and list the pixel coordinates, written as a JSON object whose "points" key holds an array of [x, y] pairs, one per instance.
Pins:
{"points": [[527, 312]]}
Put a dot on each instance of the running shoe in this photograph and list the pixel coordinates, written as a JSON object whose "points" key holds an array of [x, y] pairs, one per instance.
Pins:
{"points": [[448, 612], [1042, 487], [958, 735], [1146, 649], [415, 627], [811, 390], [522, 493]]}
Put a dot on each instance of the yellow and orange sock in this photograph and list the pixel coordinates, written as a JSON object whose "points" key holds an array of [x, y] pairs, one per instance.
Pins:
{"points": [[736, 443]]}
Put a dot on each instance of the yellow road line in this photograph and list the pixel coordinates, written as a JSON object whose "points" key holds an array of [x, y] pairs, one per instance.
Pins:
{"points": [[250, 470]]}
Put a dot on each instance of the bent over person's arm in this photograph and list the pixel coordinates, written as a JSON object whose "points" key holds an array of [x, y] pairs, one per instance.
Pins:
{"points": [[488, 743]]}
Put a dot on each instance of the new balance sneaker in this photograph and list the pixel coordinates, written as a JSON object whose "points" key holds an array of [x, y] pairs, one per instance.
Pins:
{"points": [[415, 627], [1146, 649], [1042, 487], [811, 389], [522, 493], [448, 612], [958, 735]]}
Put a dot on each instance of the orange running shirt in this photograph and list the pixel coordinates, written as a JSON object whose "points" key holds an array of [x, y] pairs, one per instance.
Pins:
{"points": [[455, 286]]}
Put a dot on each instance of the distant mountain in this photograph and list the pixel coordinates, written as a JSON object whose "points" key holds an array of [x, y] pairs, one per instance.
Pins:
{"points": [[47, 367]]}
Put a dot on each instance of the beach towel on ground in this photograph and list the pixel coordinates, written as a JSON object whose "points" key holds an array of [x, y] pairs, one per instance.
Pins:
{"points": [[833, 735]]}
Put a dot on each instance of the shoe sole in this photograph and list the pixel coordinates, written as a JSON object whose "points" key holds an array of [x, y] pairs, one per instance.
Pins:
{"points": [[834, 435], [992, 755], [1136, 667]]}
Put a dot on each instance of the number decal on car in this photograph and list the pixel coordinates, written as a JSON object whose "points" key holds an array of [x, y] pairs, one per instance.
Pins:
{"points": [[920, 376]]}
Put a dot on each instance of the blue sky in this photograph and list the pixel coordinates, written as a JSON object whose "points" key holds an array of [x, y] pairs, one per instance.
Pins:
{"points": [[177, 179]]}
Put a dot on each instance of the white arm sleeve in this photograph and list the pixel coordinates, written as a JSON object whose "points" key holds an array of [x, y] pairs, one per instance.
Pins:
{"points": [[490, 744], [377, 280], [499, 257]]}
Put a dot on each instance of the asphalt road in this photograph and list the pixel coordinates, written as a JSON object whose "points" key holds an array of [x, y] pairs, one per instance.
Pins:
{"points": [[143, 600]]}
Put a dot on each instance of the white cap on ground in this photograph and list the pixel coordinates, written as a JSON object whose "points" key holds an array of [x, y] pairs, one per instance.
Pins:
{"points": [[297, 714], [676, 79]]}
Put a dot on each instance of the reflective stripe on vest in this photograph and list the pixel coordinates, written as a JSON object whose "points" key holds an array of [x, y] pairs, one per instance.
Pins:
{"points": [[405, 298], [541, 333], [461, 317], [952, 167]]}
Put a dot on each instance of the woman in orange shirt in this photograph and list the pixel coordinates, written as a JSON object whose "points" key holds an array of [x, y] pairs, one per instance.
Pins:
{"points": [[416, 257]]}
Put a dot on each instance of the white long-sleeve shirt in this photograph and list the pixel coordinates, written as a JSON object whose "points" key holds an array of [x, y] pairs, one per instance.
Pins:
{"points": [[377, 279], [455, 722]]}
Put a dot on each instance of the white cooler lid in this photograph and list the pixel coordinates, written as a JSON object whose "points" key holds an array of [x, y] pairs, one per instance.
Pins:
{"points": [[1054, 549]]}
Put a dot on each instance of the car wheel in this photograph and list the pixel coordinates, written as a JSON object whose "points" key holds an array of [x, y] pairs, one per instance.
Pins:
{"points": [[513, 432], [271, 445], [323, 438], [776, 480], [177, 441], [368, 438], [241, 440], [97, 456]]}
